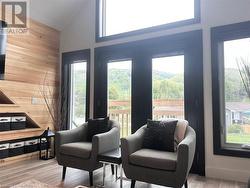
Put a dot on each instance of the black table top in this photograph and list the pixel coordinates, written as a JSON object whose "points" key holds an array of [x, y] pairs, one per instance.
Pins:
{"points": [[113, 156]]}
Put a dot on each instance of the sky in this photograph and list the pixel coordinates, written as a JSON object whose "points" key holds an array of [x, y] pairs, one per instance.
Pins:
{"points": [[234, 50], [172, 64], [128, 15], [79, 66], [120, 65]]}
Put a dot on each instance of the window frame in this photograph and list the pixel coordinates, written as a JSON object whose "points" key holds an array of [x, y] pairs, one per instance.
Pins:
{"points": [[129, 132], [69, 58], [100, 21], [165, 56], [219, 35], [71, 89], [141, 52]]}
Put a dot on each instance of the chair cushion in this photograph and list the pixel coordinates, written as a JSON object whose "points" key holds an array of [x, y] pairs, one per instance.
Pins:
{"points": [[162, 160], [77, 149]]}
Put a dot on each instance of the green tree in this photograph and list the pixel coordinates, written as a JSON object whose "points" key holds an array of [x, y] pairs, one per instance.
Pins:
{"points": [[113, 93]]}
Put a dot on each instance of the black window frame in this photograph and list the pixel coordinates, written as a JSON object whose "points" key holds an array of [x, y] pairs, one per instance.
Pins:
{"points": [[219, 35], [69, 58], [99, 24], [141, 52]]}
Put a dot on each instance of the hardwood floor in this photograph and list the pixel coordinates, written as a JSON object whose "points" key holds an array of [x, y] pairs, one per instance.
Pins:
{"points": [[50, 173]]}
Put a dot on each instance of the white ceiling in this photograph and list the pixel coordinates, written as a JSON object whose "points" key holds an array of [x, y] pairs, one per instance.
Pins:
{"points": [[55, 13]]}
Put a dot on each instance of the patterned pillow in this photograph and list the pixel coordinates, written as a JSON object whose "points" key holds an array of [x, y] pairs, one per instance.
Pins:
{"points": [[97, 126], [159, 135]]}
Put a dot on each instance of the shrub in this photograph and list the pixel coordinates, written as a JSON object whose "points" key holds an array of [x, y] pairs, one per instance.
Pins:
{"points": [[235, 129]]}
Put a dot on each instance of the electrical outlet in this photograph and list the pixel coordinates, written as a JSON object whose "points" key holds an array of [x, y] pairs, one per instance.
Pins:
{"points": [[34, 100]]}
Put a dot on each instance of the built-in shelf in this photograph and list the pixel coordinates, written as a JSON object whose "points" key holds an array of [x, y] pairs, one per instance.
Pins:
{"points": [[20, 134], [4, 99], [8, 108]]}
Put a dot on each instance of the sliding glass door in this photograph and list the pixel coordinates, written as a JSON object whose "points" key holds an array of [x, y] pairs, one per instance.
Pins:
{"points": [[119, 94], [168, 87], [78, 82]]}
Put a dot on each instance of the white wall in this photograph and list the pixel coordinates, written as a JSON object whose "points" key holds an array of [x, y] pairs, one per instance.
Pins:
{"points": [[81, 34]]}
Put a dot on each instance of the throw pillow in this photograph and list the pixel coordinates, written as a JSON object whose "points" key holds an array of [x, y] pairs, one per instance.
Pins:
{"points": [[159, 135], [97, 126], [180, 130]]}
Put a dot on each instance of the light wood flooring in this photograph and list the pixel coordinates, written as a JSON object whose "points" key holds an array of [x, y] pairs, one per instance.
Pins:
{"points": [[50, 173]]}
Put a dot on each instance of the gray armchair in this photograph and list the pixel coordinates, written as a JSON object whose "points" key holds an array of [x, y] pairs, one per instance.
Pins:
{"points": [[72, 149], [158, 167]]}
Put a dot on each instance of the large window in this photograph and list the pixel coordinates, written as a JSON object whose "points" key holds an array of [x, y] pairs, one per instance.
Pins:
{"points": [[152, 79], [119, 94], [78, 94], [122, 16], [75, 88], [231, 89], [168, 87], [236, 85]]}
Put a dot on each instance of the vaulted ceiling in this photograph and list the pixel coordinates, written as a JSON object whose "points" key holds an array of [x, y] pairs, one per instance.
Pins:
{"points": [[55, 13]]}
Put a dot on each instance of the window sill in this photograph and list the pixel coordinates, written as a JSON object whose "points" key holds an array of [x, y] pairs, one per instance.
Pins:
{"points": [[233, 152]]}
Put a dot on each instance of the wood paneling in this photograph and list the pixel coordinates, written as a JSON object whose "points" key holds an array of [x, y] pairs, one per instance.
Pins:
{"points": [[28, 59]]}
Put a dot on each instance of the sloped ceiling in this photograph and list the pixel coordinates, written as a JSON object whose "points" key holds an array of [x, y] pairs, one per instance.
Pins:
{"points": [[55, 13]]}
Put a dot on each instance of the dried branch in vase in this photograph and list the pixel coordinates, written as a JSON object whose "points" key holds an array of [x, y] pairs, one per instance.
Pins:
{"points": [[54, 105]]}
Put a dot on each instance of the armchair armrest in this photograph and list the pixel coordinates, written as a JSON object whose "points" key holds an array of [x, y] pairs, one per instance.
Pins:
{"points": [[74, 135], [132, 143], [186, 151], [105, 142]]}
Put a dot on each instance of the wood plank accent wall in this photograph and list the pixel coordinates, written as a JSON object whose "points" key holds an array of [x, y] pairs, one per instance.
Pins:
{"points": [[28, 58]]}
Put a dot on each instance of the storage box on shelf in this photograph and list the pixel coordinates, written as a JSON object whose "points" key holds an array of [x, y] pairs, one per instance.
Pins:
{"points": [[4, 151], [5, 123], [31, 146], [18, 122], [16, 149]]}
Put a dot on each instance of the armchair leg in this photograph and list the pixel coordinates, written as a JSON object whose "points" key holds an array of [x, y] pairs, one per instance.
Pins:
{"points": [[132, 184], [64, 172], [186, 184], [91, 178], [113, 169]]}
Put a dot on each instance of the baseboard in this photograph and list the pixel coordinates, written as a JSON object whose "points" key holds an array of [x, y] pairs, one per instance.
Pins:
{"points": [[227, 174]]}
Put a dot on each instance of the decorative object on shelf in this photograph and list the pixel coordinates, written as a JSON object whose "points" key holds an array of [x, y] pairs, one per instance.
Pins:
{"points": [[46, 140]]}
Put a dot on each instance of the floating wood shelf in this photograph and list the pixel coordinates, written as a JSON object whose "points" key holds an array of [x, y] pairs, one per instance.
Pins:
{"points": [[20, 134], [9, 105]]}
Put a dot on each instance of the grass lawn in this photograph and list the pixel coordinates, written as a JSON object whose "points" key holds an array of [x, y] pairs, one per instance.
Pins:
{"points": [[238, 138]]}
